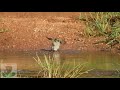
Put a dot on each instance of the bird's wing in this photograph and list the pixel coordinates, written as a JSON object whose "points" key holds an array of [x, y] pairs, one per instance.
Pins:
{"points": [[62, 41], [49, 38]]}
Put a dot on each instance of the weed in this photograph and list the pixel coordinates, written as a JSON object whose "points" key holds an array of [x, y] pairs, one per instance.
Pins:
{"points": [[51, 69]]}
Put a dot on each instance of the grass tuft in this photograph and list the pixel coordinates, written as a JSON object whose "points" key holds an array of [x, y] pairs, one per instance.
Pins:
{"points": [[51, 69], [105, 24]]}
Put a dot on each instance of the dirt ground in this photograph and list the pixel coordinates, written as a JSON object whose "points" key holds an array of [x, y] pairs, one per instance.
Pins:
{"points": [[28, 31]]}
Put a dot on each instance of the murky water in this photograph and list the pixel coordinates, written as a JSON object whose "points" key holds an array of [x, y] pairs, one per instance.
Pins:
{"points": [[101, 64]]}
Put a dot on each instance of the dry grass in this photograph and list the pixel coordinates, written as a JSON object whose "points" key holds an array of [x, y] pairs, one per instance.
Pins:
{"points": [[50, 69]]}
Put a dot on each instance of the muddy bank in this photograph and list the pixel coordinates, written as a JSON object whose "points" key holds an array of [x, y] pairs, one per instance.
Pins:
{"points": [[28, 31]]}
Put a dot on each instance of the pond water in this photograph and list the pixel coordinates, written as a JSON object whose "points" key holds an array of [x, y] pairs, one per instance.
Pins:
{"points": [[100, 64]]}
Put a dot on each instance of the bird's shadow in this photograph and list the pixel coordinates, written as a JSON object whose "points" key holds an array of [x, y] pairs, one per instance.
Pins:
{"points": [[50, 50], [45, 50]]}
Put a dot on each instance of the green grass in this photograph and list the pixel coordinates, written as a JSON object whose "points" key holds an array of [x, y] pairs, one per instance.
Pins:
{"points": [[51, 69], [105, 24]]}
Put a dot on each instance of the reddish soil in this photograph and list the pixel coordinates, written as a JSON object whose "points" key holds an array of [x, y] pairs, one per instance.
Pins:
{"points": [[28, 31]]}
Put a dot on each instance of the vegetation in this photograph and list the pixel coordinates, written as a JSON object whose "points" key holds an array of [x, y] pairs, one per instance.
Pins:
{"points": [[51, 69], [105, 24], [3, 30], [117, 69]]}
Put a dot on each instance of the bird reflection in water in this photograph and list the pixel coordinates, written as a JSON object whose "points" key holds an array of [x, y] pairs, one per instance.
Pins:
{"points": [[55, 56]]}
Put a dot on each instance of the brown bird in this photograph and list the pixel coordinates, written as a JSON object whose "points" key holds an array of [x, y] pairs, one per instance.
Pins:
{"points": [[56, 43]]}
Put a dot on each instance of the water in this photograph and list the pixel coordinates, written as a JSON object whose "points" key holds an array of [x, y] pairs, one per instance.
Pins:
{"points": [[100, 64]]}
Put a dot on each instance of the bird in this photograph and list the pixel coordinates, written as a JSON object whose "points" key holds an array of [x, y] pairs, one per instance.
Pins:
{"points": [[56, 42]]}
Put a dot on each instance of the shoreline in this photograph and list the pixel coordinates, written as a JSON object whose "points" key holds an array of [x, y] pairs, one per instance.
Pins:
{"points": [[28, 31]]}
